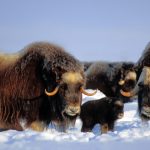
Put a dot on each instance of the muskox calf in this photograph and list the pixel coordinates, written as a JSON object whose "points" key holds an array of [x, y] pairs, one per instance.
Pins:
{"points": [[104, 111]]}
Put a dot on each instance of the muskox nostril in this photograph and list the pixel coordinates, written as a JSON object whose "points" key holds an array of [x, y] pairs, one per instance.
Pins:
{"points": [[72, 110]]}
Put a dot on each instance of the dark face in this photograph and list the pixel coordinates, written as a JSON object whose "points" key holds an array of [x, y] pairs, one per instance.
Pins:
{"points": [[70, 90], [128, 80], [118, 109], [144, 101]]}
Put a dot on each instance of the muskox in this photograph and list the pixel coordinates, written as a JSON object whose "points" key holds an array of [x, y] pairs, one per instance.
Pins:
{"points": [[39, 85], [142, 88], [110, 77], [104, 111]]}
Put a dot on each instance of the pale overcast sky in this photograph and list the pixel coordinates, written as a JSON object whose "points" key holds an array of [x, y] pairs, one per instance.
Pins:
{"points": [[112, 30]]}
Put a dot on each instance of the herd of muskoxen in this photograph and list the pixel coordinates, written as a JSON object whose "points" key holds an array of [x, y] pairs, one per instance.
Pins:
{"points": [[43, 84]]}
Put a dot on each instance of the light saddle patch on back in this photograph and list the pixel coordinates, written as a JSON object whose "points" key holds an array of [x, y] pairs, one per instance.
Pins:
{"points": [[7, 59]]}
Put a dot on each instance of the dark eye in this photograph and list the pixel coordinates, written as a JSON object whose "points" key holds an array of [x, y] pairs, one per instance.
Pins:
{"points": [[64, 86]]}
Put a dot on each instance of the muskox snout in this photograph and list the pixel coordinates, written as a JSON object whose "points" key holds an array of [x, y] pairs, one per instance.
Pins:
{"points": [[72, 110]]}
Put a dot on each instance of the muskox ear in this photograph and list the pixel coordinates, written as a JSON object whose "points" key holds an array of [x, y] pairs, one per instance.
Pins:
{"points": [[51, 73], [45, 75], [46, 72], [51, 76], [58, 73]]}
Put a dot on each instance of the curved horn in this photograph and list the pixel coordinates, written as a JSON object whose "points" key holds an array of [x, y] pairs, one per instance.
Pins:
{"points": [[128, 94], [53, 92], [86, 93], [144, 77]]}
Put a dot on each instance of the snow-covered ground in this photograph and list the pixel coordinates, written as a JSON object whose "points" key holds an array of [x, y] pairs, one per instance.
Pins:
{"points": [[130, 133]]}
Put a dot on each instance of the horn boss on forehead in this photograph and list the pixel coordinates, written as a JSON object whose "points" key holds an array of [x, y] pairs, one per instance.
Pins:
{"points": [[131, 75], [72, 77], [75, 77]]}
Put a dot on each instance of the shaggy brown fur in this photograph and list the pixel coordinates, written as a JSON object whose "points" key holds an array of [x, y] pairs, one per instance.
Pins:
{"points": [[23, 79], [106, 76], [104, 111]]}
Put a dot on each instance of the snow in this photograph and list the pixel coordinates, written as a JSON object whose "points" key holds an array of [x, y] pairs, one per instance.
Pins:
{"points": [[130, 133]]}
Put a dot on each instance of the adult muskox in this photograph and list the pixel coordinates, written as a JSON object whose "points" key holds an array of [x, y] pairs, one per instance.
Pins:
{"points": [[40, 84], [143, 84], [110, 77]]}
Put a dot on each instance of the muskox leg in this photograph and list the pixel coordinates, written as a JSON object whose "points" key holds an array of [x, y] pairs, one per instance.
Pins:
{"points": [[111, 126], [1, 130], [4, 127], [86, 128], [104, 128], [37, 126]]}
